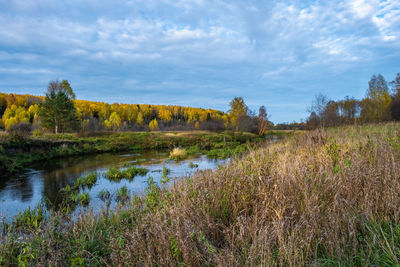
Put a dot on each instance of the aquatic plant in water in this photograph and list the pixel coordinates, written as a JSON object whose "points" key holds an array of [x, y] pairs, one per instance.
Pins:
{"points": [[122, 195], [114, 174]]}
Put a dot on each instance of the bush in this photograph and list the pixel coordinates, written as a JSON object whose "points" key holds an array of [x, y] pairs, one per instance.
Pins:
{"points": [[178, 154], [20, 131]]}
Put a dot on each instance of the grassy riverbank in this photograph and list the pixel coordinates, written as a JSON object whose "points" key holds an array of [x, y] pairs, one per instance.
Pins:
{"points": [[17, 154], [323, 198]]}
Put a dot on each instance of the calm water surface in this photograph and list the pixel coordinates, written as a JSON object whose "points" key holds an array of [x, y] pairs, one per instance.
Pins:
{"points": [[45, 179]]}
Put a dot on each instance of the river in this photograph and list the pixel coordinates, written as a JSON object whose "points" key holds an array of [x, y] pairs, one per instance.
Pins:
{"points": [[45, 179]]}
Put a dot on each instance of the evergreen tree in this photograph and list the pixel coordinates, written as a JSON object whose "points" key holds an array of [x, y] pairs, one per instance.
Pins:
{"points": [[58, 112]]}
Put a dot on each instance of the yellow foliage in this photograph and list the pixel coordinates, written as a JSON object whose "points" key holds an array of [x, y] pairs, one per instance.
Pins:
{"points": [[26, 108], [115, 121], [153, 125], [165, 115]]}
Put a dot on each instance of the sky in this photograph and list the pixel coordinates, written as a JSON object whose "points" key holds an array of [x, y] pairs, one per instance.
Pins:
{"points": [[200, 53]]}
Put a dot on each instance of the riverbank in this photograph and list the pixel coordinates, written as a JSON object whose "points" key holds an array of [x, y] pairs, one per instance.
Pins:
{"points": [[319, 198], [15, 155]]}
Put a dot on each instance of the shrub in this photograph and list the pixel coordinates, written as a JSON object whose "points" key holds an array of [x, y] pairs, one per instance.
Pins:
{"points": [[178, 154], [20, 131]]}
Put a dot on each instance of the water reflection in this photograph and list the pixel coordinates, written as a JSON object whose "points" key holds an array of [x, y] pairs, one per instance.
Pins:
{"points": [[45, 179]]}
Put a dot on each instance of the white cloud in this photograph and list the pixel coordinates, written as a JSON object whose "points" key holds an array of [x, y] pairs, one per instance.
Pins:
{"points": [[25, 71], [231, 46], [363, 8]]}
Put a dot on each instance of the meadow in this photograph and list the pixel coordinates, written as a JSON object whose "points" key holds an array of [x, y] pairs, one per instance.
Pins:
{"points": [[321, 198]]}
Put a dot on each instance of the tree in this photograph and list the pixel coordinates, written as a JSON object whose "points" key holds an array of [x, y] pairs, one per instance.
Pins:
{"points": [[395, 105], [64, 86], [153, 125], [115, 121], [58, 112], [331, 114], [140, 119], [396, 85], [165, 115], [197, 125], [14, 115], [238, 110], [318, 107], [376, 105], [262, 121], [349, 109], [312, 121], [3, 105]]}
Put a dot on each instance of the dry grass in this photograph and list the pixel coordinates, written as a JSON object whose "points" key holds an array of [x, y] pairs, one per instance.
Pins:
{"points": [[178, 153], [286, 204], [319, 198]]}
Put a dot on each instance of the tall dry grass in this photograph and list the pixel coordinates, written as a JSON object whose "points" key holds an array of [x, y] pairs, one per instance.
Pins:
{"points": [[319, 198], [294, 203]]}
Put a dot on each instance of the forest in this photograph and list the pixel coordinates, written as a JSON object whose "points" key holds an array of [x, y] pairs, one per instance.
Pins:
{"points": [[37, 114], [381, 104]]}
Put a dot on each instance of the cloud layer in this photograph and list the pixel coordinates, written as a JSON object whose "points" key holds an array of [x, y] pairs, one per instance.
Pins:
{"points": [[199, 52]]}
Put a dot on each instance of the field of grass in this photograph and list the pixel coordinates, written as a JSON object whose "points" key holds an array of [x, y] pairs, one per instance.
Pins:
{"points": [[321, 198], [15, 155]]}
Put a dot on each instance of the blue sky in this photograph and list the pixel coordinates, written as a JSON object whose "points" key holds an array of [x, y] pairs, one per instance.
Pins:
{"points": [[198, 52]]}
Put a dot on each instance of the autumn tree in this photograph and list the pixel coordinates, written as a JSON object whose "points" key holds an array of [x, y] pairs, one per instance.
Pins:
{"points": [[312, 121], [331, 115], [58, 112], [64, 86], [153, 125], [262, 121], [14, 115], [114, 122], [238, 110], [140, 119], [376, 106], [349, 109], [197, 125], [317, 108], [165, 115]]}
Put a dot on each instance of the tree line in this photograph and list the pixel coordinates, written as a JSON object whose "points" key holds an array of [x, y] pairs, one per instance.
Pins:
{"points": [[59, 111], [379, 105]]}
